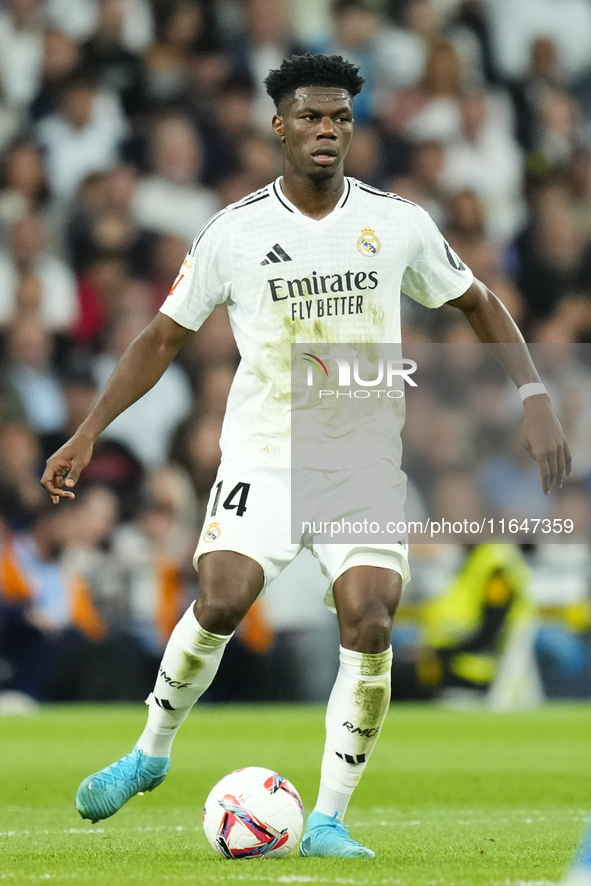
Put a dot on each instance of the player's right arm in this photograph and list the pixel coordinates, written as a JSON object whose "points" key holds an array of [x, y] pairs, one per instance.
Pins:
{"points": [[140, 367]]}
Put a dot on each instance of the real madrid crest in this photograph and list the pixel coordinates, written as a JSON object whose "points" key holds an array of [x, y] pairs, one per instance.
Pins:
{"points": [[212, 533], [368, 243]]}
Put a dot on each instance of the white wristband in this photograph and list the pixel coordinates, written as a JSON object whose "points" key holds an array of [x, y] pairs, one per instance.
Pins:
{"points": [[532, 388]]}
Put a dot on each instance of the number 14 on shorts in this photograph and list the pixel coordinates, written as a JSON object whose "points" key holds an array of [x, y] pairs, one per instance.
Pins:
{"points": [[235, 500]]}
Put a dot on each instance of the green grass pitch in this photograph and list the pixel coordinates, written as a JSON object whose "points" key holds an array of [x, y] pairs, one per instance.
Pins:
{"points": [[448, 798]]}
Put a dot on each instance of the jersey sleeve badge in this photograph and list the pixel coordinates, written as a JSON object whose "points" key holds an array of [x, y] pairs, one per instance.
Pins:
{"points": [[212, 533]]}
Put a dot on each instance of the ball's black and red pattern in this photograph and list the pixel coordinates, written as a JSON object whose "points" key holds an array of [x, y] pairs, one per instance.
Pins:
{"points": [[253, 812], [276, 783], [268, 839]]}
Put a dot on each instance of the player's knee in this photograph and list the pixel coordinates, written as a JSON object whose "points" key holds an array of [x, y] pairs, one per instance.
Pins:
{"points": [[368, 628], [228, 586], [221, 613]]}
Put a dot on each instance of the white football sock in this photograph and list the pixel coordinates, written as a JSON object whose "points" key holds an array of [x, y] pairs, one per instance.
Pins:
{"points": [[356, 710], [189, 664]]}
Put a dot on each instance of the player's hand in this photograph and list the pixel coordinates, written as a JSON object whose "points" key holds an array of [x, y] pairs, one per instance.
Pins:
{"points": [[545, 441], [65, 466]]}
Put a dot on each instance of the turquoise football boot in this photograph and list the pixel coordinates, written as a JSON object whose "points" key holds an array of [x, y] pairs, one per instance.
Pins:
{"points": [[104, 793], [580, 872], [327, 837]]}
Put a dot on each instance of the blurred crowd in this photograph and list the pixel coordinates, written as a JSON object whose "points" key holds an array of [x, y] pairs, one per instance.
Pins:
{"points": [[463, 445], [124, 125]]}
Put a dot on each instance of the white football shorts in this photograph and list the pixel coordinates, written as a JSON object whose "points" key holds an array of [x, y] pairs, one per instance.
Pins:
{"points": [[249, 512]]}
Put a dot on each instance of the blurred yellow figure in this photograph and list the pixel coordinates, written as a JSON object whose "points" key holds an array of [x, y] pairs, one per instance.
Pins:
{"points": [[470, 623]]}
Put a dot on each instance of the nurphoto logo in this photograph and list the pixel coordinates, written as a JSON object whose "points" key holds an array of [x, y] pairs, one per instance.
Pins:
{"points": [[388, 372]]}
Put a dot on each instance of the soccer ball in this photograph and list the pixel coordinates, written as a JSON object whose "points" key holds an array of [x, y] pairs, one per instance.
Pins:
{"points": [[253, 812]]}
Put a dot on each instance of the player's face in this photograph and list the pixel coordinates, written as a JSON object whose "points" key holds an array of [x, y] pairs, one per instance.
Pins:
{"points": [[316, 129]]}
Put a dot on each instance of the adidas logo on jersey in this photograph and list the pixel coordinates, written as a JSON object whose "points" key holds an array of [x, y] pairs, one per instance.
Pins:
{"points": [[276, 254]]}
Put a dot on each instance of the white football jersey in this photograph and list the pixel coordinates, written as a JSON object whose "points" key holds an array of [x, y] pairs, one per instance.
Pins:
{"points": [[289, 278]]}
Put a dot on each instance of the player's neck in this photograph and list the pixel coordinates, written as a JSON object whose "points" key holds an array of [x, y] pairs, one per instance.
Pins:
{"points": [[317, 199]]}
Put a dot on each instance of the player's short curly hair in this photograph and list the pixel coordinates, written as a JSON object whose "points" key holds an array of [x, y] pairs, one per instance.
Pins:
{"points": [[312, 70]]}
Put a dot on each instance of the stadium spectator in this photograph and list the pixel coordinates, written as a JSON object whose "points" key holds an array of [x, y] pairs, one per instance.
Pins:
{"points": [[29, 350], [364, 160], [86, 548], [179, 29], [562, 640], [544, 75], [555, 258], [41, 606], [102, 221], [578, 183], [28, 261], [114, 67], [225, 125], [515, 24], [21, 51], [10, 124], [266, 39], [78, 19], [423, 183], [154, 592], [104, 276], [414, 24], [486, 159], [20, 460], [258, 159], [464, 24], [357, 35], [84, 135], [466, 234], [24, 188], [559, 133], [170, 201], [61, 57], [433, 109]]}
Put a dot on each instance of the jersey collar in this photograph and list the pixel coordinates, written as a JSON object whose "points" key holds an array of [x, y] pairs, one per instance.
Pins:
{"points": [[299, 216]]}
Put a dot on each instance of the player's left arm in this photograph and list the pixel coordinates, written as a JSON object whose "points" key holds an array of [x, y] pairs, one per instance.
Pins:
{"points": [[543, 436]]}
